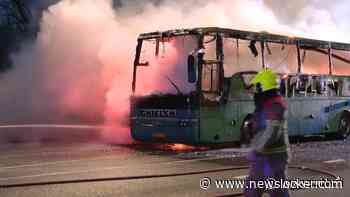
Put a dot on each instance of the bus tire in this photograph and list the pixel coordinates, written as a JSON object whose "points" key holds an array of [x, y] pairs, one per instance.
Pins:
{"points": [[246, 131], [344, 126]]}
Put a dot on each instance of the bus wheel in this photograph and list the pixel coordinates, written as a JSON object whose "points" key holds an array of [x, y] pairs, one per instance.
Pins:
{"points": [[344, 126], [246, 133]]}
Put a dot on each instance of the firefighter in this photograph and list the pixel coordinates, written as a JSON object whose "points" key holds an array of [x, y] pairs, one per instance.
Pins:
{"points": [[270, 145]]}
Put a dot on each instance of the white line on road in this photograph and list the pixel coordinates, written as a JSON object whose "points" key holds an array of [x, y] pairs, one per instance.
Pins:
{"points": [[56, 162], [68, 150], [102, 169], [335, 161], [242, 177]]}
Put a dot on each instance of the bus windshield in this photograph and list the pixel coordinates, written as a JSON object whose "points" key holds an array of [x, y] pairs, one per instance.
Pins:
{"points": [[163, 66]]}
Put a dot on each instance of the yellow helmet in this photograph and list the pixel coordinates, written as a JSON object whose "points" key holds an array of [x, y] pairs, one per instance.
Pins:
{"points": [[266, 78]]}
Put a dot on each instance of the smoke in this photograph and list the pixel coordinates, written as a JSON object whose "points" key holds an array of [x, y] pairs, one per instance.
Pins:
{"points": [[320, 19], [79, 69]]}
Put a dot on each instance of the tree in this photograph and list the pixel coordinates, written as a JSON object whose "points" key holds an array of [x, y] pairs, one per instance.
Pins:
{"points": [[14, 15], [14, 26]]}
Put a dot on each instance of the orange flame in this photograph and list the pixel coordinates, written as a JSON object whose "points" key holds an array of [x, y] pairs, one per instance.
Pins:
{"points": [[181, 147]]}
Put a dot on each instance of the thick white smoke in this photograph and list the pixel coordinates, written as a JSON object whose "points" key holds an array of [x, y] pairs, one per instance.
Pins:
{"points": [[79, 68], [320, 19]]}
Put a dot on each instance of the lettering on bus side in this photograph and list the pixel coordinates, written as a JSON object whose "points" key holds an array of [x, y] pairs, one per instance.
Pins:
{"points": [[158, 112], [337, 106]]}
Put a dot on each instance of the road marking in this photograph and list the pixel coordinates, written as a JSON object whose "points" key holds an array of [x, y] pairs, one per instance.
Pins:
{"points": [[242, 177], [102, 169], [62, 151], [55, 162], [335, 161]]}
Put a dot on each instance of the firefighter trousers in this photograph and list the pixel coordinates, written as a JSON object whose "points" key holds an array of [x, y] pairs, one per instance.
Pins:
{"points": [[264, 168]]}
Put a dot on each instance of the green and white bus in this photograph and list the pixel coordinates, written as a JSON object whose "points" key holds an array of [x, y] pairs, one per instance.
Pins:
{"points": [[192, 85]]}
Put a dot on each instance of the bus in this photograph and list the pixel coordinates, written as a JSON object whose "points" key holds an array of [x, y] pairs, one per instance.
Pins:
{"points": [[192, 86]]}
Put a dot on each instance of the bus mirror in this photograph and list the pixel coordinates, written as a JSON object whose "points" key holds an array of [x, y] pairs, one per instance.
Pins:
{"points": [[191, 69]]}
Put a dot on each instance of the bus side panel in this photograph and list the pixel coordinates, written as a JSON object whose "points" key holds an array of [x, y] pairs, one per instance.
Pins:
{"points": [[164, 130], [232, 122], [245, 107], [292, 116], [212, 125], [183, 128], [335, 110], [312, 118], [244, 103]]}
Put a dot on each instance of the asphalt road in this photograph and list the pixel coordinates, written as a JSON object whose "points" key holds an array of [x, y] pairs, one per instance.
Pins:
{"points": [[45, 162]]}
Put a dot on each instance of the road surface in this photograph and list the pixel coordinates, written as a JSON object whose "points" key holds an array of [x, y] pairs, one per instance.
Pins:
{"points": [[55, 161]]}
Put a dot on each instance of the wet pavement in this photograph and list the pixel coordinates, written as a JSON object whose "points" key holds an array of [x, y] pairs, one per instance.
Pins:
{"points": [[46, 162]]}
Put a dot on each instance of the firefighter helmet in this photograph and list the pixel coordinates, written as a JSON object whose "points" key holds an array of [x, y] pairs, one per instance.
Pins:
{"points": [[265, 80]]}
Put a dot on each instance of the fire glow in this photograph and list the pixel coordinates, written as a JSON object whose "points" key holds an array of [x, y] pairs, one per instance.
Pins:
{"points": [[82, 59], [181, 147]]}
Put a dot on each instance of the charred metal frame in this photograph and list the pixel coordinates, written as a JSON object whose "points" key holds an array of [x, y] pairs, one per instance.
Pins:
{"points": [[330, 61], [299, 58], [249, 35], [220, 57], [263, 37], [262, 43], [136, 63], [326, 53]]}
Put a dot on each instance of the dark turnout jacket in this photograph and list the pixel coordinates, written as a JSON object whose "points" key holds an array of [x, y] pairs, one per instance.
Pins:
{"points": [[270, 124]]}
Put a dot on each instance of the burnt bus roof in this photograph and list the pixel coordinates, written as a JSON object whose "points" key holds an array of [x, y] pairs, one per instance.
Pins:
{"points": [[252, 72], [249, 35]]}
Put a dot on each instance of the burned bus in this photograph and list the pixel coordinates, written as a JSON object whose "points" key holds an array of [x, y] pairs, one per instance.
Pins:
{"points": [[192, 86]]}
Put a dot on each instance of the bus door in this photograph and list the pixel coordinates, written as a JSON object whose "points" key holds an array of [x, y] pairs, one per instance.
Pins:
{"points": [[239, 103], [214, 112], [243, 94], [313, 98]]}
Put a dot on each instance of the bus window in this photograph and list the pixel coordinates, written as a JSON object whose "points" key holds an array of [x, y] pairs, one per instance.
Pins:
{"points": [[315, 62], [322, 88], [231, 54], [292, 84], [331, 87], [284, 85], [281, 58], [305, 85], [313, 85], [341, 67], [210, 82], [317, 86], [241, 87], [210, 78], [209, 47], [335, 86], [247, 78], [301, 85], [346, 87], [169, 67], [310, 85], [238, 57], [339, 87]]}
